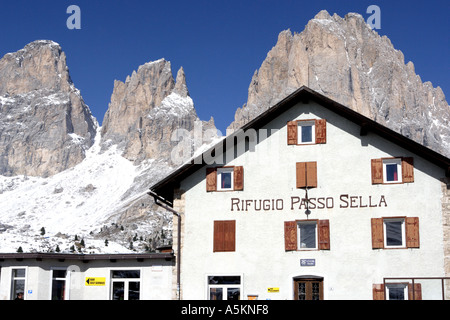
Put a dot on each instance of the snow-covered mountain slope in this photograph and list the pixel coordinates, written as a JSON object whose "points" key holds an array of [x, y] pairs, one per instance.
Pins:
{"points": [[84, 201]]}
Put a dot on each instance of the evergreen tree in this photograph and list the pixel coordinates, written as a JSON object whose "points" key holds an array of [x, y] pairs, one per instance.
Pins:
{"points": [[106, 242], [57, 249], [42, 231], [20, 250]]}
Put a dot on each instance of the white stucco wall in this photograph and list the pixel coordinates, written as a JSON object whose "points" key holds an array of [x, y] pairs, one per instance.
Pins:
{"points": [[351, 266], [155, 278]]}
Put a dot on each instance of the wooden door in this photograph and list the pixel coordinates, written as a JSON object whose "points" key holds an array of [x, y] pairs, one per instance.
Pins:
{"points": [[308, 289]]}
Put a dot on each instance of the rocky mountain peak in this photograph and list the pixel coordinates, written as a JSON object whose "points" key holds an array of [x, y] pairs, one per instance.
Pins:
{"points": [[45, 126], [344, 59], [180, 83], [146, 110], [39, 65]]}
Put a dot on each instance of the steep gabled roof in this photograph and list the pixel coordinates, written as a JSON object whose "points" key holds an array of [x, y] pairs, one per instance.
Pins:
{"points": [[165, 187]]}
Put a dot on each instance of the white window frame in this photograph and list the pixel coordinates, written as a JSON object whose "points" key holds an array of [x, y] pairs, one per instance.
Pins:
{"points": [[12, 294], [396, 161], [126, 282], [224, 287], [219, 178], [306, 123], [403, 286], [402, 220], [66, 279], [316, 235]]}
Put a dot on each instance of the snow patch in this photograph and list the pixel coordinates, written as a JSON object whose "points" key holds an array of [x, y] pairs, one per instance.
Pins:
{"points": [[76, 201]]}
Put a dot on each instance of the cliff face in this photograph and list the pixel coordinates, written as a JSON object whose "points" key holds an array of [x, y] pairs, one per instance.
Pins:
{"points": [[345, 60], [45, 126], [147, 110]]}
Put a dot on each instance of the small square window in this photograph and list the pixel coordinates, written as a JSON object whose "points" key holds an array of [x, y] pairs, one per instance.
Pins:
{"points": [[307, 235], [306, 132], [225, 178], [397, 291], [394, 231], [392, 170]]}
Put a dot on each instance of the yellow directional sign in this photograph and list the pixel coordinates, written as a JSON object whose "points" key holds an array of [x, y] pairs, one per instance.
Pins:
{"points": [[95, 281], [273, 289]]}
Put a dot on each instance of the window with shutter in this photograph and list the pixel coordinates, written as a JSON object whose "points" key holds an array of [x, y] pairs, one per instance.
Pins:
{"points": [[397, 291], [307, 235], [224, 236], [306, 174], [392, 170], [225, 179], [307, 132], [398, 232]]}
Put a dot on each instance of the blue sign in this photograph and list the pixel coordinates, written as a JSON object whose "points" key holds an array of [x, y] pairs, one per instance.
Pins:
{"points": [[307, 262]]}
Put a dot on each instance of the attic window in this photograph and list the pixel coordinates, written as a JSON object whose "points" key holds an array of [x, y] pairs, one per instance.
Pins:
{"points": [[225, 178], [303, 132], [306, 132]]}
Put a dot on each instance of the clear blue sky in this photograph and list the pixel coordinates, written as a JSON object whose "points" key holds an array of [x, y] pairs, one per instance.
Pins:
{"points": [[219, 43]]}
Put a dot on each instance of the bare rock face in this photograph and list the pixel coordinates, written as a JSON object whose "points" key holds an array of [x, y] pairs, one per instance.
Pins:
{"points": [[146, 112], [45, 126], [343, 59]]}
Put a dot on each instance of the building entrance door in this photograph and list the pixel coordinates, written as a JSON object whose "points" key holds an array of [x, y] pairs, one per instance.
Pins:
{"points": [[308, 288]]}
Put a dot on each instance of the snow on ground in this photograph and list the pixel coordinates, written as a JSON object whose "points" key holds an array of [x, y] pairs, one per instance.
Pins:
{"points": [[74, 202]]}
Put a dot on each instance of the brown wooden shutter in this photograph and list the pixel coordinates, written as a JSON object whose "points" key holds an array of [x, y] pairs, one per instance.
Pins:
{"points": [[321, 131], [238, 178], [377, 233], [412, 232], [301, 174], [224, 236], [378, 291], [417, 291], [229, 235], [290, 235], [218, 236], [377, 171], [306, 174], [211, 179], [292, 128], [311, 174], [408, 170], [324, 235]]}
